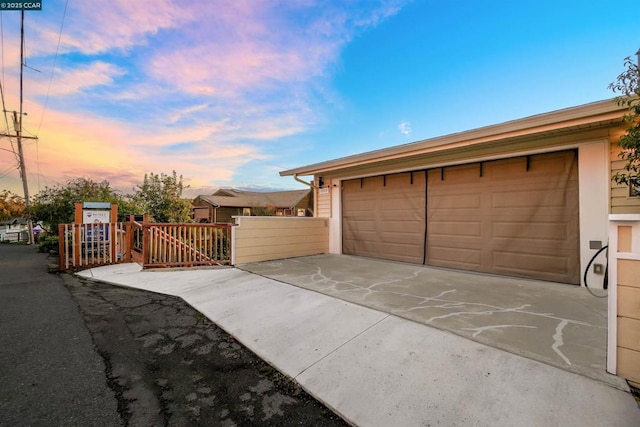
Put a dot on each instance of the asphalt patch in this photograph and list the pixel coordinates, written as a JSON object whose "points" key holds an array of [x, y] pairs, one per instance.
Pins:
{"points": [[169, 365]]}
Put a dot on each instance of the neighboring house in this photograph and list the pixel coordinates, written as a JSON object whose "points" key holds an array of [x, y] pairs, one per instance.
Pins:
{"points": [[224, 204], [528, 198], [14, 230]]}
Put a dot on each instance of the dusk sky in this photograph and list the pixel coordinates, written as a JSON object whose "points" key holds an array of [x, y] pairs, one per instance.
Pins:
{"points": [[230, 93]]}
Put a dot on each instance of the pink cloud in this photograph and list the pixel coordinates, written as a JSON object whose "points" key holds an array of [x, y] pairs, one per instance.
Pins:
{"points": [[223, 78]]}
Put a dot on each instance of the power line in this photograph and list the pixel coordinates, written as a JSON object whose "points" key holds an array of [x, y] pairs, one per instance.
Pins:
{"points": [[4, 108], [7, 171]]}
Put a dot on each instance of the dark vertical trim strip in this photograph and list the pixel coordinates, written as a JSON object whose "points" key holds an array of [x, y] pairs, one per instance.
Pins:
{"points": [[411, 178], [441, 174], [361, 182], [528, 163], [481, 168], [384, 180], [426, 216], [342, 222]]}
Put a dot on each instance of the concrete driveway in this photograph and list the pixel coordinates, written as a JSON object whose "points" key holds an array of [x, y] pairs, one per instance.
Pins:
{"points": [[561, 325]]}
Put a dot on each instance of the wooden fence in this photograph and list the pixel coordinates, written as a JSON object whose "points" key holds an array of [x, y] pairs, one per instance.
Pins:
{"points": [[82, 245], [186, 245], [153, 245]]}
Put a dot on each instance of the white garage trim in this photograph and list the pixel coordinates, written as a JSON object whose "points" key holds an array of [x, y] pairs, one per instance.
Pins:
{"points": [[594, 189]]}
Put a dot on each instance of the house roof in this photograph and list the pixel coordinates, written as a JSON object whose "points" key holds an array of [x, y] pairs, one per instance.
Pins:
{"points": [[596, 114], [15, 221], [240, 199]]}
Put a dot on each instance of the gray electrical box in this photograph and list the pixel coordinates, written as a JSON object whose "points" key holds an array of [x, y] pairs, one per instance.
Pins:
{"points": [[598, 268], [595, 244]]}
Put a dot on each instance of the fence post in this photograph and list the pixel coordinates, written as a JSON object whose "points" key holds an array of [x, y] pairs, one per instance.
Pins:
{"points": [[127, 242], [61, 247], [77, 245], [145, 240]]}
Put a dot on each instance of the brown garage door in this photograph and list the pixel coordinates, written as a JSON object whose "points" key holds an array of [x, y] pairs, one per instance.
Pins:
{"points": [[384, 217], [515, 217]]}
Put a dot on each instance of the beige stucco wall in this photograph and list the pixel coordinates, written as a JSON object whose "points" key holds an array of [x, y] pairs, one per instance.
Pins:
{"points": [[267, 238]]}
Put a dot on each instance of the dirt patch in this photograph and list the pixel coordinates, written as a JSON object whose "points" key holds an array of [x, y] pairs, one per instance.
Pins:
{"points": [[169, 365]]}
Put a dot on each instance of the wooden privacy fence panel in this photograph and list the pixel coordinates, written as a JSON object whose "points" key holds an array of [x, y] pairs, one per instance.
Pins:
{"points": [[186, 245], [264, 238], [87, 245]]}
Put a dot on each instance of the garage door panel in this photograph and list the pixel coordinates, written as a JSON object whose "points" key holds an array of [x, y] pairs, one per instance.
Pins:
{"points": [[463, 258], [455, 228], [528, 198], [401, 215], [535, 249], [365, 248], [527, 218], [537, 231], [400, 227], [399, 207], [460, 201], [365, 236], [365, 227], [544, 265], [400, 255], [360, 207], [406, 238], [363, 205], [394, 216]]}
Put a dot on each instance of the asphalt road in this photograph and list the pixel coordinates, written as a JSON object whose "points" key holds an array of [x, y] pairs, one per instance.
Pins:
{"points": [[81, 353], [50, 371]]}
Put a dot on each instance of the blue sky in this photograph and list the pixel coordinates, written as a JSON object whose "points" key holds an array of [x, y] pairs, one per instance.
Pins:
{"points": [[229, 93]]}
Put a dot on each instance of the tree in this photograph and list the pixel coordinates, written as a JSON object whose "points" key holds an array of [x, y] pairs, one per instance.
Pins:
{"points": [[161, 197], [11, 205], [56, 205], [627, 85]]}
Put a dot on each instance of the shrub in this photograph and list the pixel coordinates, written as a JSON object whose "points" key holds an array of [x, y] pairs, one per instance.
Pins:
{"points": [[48, 244]]}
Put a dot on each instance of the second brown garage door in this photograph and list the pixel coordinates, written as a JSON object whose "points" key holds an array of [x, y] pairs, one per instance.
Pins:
{"points": [[514, 217]]}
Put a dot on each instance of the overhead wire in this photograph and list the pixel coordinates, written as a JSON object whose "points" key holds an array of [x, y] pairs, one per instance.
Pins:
{"points": [[7, 171], [4, 107]]}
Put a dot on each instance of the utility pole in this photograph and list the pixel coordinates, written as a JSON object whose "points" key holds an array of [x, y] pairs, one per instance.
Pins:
{"points": [[17, 123], [17, 119], [18, 126]]}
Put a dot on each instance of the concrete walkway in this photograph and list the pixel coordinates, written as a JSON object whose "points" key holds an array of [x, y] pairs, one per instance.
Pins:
{"points": [[378, 369]]}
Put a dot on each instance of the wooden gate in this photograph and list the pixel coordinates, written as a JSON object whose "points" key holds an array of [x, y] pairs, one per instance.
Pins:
{"points": [[185, 245]]}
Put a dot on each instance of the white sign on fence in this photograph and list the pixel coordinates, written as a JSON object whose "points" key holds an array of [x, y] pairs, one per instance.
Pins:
{"points": [[95, 216]]}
